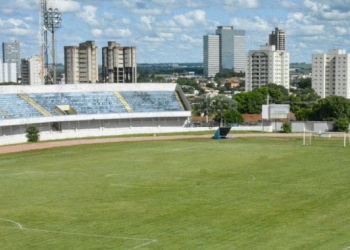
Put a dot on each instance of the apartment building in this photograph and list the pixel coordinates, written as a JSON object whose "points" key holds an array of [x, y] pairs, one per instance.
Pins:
{"points": [[119, 64], [31, 71], [266, 66], [278, 38], [331, 73], [81, 63]]}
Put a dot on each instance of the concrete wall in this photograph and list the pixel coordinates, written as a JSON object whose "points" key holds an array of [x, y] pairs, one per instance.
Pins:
{"points": [[312, 126]]}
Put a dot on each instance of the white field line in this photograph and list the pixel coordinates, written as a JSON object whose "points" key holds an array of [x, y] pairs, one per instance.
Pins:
{"points": [[135, 186], [348, 248], [13, 222], [20, 227]]}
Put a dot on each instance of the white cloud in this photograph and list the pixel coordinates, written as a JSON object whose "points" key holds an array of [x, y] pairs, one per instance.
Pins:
{"points": [[188, 39], [146, 23], [7, 11], [108, 16], [14, 27], [27, 4], [248, 4], [65, 5], [120, 33], [88, 15], [96, 32], [190, 18], [254, 24], [154, 39], [28, 19], [341, 30]]}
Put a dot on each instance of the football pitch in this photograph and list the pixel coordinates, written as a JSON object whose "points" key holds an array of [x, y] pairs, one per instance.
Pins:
{"points": [[244, 193]]}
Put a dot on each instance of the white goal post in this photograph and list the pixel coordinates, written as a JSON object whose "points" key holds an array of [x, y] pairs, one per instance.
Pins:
{"points": [[338, 138]]}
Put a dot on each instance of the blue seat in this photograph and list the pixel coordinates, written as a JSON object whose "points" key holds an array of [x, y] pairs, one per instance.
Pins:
{"points": [[152, 101], [16, 107]]}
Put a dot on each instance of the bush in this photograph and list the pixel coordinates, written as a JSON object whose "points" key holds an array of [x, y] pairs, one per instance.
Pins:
{"points": [[341, 125], [33, 133], [286, 127]]}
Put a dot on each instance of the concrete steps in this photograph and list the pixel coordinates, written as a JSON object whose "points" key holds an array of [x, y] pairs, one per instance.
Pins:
{"points": [[35, 105], [123, 101]]}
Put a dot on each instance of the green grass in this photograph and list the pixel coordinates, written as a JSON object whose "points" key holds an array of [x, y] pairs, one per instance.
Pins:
{"points": [[245, 193]]}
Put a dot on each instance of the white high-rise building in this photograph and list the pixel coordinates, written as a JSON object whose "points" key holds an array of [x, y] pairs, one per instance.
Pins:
{"points": [[8, 72], [230, 48], [31, 71], [331, 73], [266, 66], [81, 63], [211, 58]]}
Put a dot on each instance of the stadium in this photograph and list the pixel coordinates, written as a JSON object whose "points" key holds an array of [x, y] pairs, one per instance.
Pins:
{"points": [[90, 110], [259, 191]]}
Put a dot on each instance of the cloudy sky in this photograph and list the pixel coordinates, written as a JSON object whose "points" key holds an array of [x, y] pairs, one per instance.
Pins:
{"points": [[172, 30]]}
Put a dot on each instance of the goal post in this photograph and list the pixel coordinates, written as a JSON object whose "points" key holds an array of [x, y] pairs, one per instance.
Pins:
{"points": [[325, 138]]}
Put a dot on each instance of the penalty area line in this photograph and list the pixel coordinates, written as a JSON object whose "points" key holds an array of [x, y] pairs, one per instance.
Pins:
{"points": [[20, 227]]}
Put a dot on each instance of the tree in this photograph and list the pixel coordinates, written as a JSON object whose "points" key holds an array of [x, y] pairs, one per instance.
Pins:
{"points": [[286, 127], [252, 101], [215, 105], [331, 108], [305, 83], [301, 103], [341, 125], [33, 133], [229, 116]]}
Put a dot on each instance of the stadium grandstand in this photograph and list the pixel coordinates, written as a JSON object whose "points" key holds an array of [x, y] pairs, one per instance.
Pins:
{"points": [[88, 110]]}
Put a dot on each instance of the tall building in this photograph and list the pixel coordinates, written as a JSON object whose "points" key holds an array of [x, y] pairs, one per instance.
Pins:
{"points": [[8, 72], [266, 66], [11, 53], [31, 71], [331, 73], [278, 38], [211, 55], [81, 63], [119, 64], [231, 50]]}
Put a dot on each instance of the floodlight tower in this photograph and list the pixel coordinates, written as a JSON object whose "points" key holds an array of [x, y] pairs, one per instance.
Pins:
{"points": [[43, 43], [50, 20]]}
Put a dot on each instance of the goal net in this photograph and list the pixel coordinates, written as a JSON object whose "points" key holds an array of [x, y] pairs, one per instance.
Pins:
{"points": [[327, 139]]}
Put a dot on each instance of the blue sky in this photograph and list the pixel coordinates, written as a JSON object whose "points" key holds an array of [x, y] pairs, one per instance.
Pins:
{"points": [[172, 30]]}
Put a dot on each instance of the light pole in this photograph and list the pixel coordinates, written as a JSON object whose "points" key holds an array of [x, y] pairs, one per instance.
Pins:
{"points": [[52, 21]]}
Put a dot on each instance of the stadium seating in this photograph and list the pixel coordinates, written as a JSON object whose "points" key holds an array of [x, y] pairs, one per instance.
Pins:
{"points": [[16, 107], [103, 102], [152, 101], [82, 102]]}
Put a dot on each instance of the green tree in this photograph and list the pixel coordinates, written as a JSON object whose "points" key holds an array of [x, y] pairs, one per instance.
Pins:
{"points": [[341, 125], [229, 116], [250, 102], [331, 108], [214, 105], [286, 127], [305, 83], [33, 133]]}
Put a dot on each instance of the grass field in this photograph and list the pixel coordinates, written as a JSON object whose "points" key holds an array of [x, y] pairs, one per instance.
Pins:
{"points": [[244, 193]]}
